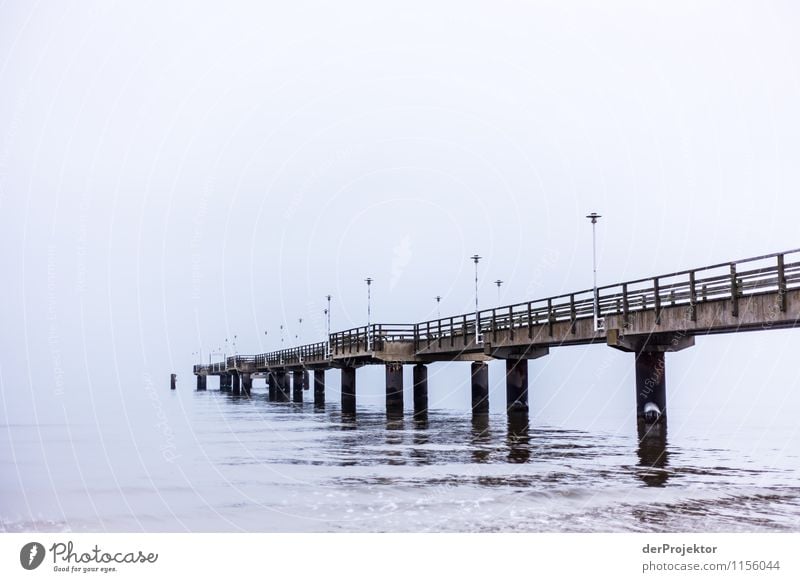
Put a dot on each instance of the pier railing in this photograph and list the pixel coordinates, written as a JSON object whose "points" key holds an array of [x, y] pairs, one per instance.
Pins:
{"points": [[733, 281], [370, 338]]}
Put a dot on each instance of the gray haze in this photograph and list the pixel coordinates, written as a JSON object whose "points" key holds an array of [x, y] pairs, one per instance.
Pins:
{"points": [[174, 174]]}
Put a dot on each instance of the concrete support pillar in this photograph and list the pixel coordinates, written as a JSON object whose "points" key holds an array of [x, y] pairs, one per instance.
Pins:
{"points": [[306, 380], [173, 380], [651, 387], [225, 383], [420, 375], [517, 385], [201, 382], [348, 390], [297, 386], [236, 383], [394, 388], [247, 383], [480, 388], [272, 387], [319, 388], [283, 386]]}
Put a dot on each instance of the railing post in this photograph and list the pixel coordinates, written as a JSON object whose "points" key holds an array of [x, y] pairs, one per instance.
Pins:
{"points": [[781, 282], [572, 316], [657, 299], [550, 316], [464, 331], [494, 325], [428, 333], [452, 335], [692, 297], [439, 334], [530, 322], [511, 322], [734, 292], [625, 306]]}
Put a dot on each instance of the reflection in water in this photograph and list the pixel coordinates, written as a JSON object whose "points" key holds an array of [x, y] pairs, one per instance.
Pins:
{"points": [[261, 466], [481, 438], [395, 436], [653, 454], [519, 450]]}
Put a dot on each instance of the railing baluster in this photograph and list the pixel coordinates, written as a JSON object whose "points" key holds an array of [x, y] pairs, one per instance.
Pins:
{"points": [[452, 335], [572, 316], [511, 322], [781, 282], [657, 299], [494, 325], [464, 330], [439, 334], [692, 298], [734, 292], [625, 307], [550, 316], [530, 322]]}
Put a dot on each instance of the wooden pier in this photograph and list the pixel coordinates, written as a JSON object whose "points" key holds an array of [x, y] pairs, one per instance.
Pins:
{"points": [[646, 317]]}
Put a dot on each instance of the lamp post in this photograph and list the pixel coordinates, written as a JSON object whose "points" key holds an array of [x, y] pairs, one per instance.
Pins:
{"points": [[299, 335], [498, 283], [438, 311], [478, 339], [596, 311], [328, 324], [369, 280]]}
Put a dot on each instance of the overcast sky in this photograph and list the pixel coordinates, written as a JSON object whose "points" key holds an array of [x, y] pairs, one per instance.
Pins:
{"points": [[174, 174]]}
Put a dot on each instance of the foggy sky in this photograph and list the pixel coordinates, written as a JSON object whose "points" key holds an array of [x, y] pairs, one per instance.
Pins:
{"points": [[174, 174]]}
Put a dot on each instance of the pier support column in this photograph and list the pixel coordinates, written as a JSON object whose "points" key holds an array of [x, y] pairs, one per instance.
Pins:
{"points": [[236, 383], [651, 387], [348, 390], [651, 384], [297, 386], [201, 382], [272, 387], [420, 375], [306, 380], [247, 384], [517, 385], [480, 388], [319, 388], [283, 386], [173, 379], [394, 389], [224, 382]]}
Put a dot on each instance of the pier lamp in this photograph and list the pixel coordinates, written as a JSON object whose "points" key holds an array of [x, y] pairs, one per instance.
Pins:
{"points": [[478, 338], [598, 323], [328, 324], [498, 283], [438, 311], [368, 281]]}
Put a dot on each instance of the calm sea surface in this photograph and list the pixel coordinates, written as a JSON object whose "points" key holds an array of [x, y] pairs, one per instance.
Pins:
{"points": [[214, 462]]}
